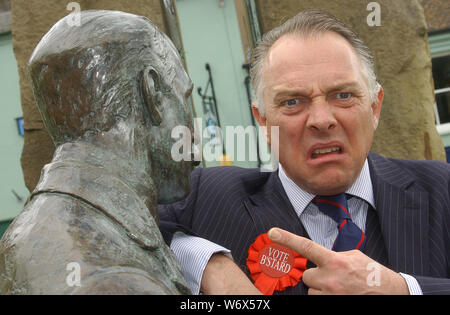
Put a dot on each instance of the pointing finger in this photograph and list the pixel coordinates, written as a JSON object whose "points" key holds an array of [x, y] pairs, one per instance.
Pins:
{"points": [[303, 246]]}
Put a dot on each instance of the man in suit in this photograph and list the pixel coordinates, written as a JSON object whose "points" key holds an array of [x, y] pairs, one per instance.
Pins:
{"points": [[314, 80]]}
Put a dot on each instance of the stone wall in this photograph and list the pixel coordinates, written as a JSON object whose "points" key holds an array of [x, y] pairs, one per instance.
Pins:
{"points": [[437, 14], [31, 19], [402, 65]]}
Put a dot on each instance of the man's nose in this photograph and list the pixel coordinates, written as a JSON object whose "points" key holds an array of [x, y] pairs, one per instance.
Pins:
{"points": [[321, 117]]}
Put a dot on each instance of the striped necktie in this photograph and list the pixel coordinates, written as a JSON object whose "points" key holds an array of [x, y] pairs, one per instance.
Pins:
{"points": [[350, 235]]}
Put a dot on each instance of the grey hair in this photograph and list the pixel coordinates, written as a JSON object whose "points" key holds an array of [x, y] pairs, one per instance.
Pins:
{"points": [[310, 23]]}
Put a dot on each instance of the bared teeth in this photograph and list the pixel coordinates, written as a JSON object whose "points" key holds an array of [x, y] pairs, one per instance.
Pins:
{"points": [[325, 151]]}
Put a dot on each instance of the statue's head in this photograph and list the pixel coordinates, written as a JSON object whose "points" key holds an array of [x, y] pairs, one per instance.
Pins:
{"points": [[115, 73]]}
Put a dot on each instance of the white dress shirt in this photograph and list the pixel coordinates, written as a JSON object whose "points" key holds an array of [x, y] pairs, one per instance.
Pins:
{"points": [[194, 253]]}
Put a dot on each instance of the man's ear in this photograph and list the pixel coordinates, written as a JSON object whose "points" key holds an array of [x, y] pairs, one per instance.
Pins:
{"points": [[151, 90], [256, 113], [261, 119], [376, 107]]}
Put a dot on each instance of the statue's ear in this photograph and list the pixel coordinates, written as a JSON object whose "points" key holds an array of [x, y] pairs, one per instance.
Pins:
{"points": [[151, 88]]}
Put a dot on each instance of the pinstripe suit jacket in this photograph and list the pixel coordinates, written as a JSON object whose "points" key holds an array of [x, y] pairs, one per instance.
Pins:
{"points": [[407, 232]]}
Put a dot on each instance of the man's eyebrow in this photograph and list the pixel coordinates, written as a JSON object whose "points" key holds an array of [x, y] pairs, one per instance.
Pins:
{"points": [[287, 92], [304, 92], [344, 86]]}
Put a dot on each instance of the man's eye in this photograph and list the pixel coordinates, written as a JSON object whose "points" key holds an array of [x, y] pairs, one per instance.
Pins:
{"points": [[343, 96], [291, 102]]}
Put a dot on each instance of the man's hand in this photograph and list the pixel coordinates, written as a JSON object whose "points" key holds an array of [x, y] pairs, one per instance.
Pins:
{"points": [[340, 272], [223, 276]]}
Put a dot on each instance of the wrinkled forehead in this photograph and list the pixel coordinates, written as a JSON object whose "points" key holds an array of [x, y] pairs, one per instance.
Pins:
{"points": [[328, 51]]}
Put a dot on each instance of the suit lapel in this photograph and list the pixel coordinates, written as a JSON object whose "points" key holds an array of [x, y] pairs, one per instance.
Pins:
{"points": [[403, 213], [375, 247], [270, 207]]}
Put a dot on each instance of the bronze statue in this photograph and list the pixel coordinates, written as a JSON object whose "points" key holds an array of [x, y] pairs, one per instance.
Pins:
{"points": [[109, 90]]}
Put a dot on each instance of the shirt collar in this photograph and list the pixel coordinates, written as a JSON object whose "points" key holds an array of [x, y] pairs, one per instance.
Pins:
{"points": [[300, 199]]}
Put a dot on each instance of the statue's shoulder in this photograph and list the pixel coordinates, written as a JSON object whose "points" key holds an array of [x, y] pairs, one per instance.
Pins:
{"points": [[57, 234], [36, 245]]}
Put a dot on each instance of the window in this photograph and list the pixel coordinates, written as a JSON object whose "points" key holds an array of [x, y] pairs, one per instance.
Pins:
{"points": [[440, 52], [441, 76]]}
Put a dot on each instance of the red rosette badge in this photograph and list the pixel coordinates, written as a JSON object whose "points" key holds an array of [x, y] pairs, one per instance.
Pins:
{"points": [[274, 267]]}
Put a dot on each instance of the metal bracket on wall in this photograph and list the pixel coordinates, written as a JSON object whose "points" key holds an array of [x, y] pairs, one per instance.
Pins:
{"points": [[210, 110]]}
